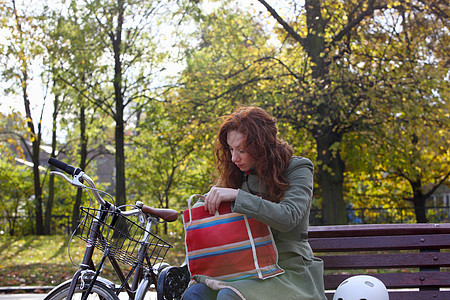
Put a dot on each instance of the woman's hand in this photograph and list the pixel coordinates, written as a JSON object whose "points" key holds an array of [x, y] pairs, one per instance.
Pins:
{"points": [[218, 195]]}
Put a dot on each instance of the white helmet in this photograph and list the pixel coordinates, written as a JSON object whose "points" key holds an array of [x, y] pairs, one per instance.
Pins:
{"points": [[361, 287]]}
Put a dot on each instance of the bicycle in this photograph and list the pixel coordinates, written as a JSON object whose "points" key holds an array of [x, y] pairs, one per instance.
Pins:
{"points": [[111, 230]]}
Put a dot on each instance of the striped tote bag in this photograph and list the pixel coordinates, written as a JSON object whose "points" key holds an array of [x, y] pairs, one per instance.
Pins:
{"points": [[229, 246]]}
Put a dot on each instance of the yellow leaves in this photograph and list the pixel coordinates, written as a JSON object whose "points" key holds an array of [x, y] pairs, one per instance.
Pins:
{"points": [[327, 169], [335, 147], [394, 4], [362, 176]]}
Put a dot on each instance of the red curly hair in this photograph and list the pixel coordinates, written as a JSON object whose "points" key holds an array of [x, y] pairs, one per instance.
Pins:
{"points": [[272, 155]]}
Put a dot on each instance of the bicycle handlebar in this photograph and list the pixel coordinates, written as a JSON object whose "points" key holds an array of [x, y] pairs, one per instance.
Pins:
{"points": [[78, 174], [166, 214], [63, 166]]}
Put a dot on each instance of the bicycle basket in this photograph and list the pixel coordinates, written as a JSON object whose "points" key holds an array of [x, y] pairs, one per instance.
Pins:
{"points": [[121, 236]]}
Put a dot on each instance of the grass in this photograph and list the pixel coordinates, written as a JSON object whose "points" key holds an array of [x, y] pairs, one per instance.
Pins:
{"points": [[44, 260]]}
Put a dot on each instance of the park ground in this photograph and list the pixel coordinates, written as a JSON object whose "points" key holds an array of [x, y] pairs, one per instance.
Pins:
{"points": [[44, 260]]}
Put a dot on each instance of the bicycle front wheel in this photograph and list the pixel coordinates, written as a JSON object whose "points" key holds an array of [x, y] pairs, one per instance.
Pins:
{"points": [[99, 291]]}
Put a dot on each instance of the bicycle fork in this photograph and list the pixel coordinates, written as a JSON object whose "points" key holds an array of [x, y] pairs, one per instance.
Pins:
{"points": [[142, 287], [84, 273]]}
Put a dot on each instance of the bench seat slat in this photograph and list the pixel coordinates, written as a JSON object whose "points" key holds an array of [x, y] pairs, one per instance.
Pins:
{"points": [[397, 280], [373, 261], [441, 241], [424, 295], [412, 295]]}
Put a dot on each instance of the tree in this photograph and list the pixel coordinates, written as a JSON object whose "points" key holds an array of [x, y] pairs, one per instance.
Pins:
{"points": [[72, 63], [51, 182], [411, 146], [423, 161], [328, 73], [169, 158], [123, 80], [219, 73], [15, 178], [16, 188], [339, 40], [408, 140], [21, 50]]}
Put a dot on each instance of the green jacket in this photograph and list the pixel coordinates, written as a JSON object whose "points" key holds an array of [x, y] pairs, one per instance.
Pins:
{"points": [[303, 277], [288, 219]]}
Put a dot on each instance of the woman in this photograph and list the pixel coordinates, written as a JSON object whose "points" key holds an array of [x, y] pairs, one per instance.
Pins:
{"points": [[259, 175]]}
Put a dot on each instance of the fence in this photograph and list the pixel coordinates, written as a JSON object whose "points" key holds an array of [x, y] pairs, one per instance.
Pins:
{"points": [[25, 225], [61, 224], [377, 215]]}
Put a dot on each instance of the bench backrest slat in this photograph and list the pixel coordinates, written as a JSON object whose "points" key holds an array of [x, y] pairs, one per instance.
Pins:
{"points": [[387, 261], [377, 229], [399, 242]]}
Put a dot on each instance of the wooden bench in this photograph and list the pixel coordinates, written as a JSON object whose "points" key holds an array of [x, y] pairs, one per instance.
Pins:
{"points": [[412, 260]]}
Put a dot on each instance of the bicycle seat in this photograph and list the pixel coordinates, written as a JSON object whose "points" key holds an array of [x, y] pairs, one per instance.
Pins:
{"points": [[166, 214]]}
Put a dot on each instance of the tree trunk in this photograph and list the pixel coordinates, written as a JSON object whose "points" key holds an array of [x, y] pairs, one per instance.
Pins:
{"points": [[37, 189], [120, 163], [83, 158], [419, 200], [331, 177], [419, 209], [330, 164], [120, 124], [51, 182], [35, 144]]}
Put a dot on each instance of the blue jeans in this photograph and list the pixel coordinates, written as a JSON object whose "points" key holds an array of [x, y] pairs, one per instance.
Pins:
{"points": [[200, 291]]}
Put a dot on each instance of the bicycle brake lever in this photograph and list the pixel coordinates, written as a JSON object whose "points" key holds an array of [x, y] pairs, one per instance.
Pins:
{"points": [[75, 182], [78, 179]]}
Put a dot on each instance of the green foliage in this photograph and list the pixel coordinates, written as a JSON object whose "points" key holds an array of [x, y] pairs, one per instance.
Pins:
{"points": [[336, 69], [17, 190], [406, 140], [359, 87], [220, 72], [16, 177], [169, 160]]}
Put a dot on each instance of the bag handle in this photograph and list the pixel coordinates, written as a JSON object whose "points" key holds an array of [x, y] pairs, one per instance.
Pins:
{"points": [[189, 204], [252, 243]]}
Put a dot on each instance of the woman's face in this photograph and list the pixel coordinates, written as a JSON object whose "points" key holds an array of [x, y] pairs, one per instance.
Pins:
{"points": [[241, 158]]}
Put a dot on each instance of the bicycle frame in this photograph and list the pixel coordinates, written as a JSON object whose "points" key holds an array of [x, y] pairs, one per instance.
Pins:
{"points": [[142, 264], [142, 277]]}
